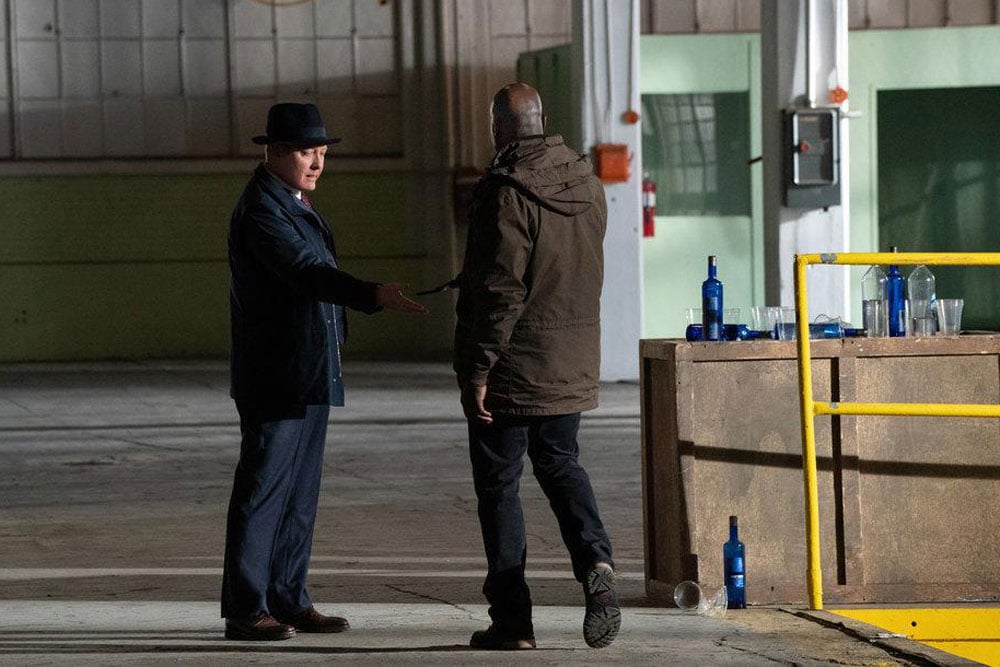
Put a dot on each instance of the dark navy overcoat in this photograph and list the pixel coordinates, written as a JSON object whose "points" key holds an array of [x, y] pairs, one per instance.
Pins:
{"points": [[286, 299]]}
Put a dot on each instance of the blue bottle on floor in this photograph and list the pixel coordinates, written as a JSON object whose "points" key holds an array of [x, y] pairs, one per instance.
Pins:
{"points": [[735, 568]]}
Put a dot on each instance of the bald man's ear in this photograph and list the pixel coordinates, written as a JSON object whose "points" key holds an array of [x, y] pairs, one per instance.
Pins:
{"points": [[545, 123]]}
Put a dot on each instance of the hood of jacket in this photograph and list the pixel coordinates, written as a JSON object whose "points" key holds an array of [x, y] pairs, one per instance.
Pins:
{"points": [[547, 171]]}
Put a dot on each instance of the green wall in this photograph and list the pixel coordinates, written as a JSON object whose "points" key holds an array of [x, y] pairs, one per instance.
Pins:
{"points": [[674, 259], [879, 61], [925, 152], [110, 267]]}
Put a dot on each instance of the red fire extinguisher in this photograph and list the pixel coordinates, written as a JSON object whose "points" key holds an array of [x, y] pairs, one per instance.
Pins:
{"points": [[648, 205]]}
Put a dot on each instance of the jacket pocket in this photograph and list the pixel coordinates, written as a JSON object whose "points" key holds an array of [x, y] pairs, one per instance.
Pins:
{"points": [[555, 365]]}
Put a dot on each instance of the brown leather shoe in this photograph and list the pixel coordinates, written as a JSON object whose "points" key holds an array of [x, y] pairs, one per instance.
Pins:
{"points": [[311, 620], [260, 627]]}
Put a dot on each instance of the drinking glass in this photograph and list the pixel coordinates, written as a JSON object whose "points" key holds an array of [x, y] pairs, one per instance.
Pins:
{"points": [[949, 312]]}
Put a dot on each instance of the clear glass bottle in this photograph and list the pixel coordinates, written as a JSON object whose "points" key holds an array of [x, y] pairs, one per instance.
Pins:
{"points": [[734, 563], [711, 304], [874, 304], [895, 293], [817, 330], [921, 290]]}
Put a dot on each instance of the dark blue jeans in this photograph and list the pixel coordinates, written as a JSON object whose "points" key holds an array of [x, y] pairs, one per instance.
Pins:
{"points": [[497, 451], [272, 510]]}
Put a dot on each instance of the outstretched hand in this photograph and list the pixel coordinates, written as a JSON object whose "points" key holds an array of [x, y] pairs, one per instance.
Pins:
{"points": [[391, 297]]}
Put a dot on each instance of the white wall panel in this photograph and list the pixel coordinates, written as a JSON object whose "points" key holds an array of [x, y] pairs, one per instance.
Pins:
{"points": [[80, 73], [251, 121], [205, 68], [164, 121], [40, 125], [972, 12], [295, 20], [34, 18], [124, 130], [507, 17], [207, 127], [678, 16], [121, 69], [857, 12], [253, 19], [204, 18], [372, 18], [545, 41], [550, 17], [927, 13], [120, 18], [748, 19], [37, 69], [296, 67], [161, 69], [383, 125], [887, 14], [79, 18], [342, 115], [255, 65], [504, 56], [167, 70], [674, 16], [376, 68], [333, 19], [161, 18], [4, 79], [6, 149], [83, 128], [717, 15], [335, 61]]}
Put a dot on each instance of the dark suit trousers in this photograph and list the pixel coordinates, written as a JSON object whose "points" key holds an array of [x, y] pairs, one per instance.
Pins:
{"points": [[272, 510]]}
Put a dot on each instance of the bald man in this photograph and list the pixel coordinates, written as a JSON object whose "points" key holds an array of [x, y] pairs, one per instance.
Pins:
{"points": [[527, 358]]}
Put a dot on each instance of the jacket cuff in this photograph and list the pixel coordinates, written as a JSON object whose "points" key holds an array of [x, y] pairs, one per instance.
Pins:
{"points": [[371, 299]]}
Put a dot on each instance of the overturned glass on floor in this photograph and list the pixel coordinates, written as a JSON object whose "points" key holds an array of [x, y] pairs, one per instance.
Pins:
{"points": [[704, 600]]}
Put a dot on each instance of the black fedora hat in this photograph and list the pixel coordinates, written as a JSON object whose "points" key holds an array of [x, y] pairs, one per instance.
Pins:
{"points": [[296, 124]]}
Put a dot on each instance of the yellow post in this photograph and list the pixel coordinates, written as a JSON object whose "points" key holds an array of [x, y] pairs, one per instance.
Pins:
{"points": [[809, 408], [814, 567]]}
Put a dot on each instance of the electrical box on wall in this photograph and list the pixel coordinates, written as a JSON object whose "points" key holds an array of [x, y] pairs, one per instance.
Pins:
{"points": [[812, 158], [611, 162]]}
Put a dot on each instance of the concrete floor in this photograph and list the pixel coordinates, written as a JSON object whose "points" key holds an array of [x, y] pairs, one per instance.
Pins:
{"points": [[114, 490]]}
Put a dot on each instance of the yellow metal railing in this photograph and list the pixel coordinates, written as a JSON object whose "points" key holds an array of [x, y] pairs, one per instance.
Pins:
{"points": [[810, 408]]}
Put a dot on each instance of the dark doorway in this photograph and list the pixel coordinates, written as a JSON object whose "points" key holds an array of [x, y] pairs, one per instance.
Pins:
{"points": [[939, 187]]}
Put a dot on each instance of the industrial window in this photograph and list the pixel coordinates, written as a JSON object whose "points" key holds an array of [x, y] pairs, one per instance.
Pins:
{"points": [[192, 78], [695, 147]]}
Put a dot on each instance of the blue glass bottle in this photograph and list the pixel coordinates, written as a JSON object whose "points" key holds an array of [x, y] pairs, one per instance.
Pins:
{"points": [[729, 332], [895, 294], [735, 568], [711, 304]]}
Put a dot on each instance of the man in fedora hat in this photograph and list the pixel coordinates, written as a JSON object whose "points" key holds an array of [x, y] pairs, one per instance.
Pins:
{"points": [[287, 302]]}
